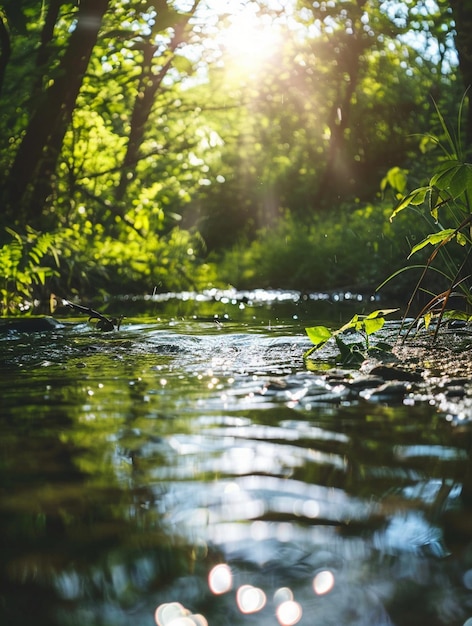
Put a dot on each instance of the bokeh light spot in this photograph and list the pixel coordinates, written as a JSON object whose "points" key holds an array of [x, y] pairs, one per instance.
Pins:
{"points": [[220, 579], [174, 614], [323, 582], [168, 612], [250, 599], [311, 508], [289, 613]]}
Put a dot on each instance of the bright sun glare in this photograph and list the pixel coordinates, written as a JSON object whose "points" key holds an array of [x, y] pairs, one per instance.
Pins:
{"points": [[251, 39]]}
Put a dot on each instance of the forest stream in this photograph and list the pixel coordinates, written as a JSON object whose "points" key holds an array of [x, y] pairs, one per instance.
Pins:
{"points": [[188, 469]]}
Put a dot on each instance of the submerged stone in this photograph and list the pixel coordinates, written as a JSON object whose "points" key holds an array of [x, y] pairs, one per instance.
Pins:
{"points": [[389, 372], [29, 325]]}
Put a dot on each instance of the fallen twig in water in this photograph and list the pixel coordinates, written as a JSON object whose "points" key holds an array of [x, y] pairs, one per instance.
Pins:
{"points": [[105, 324]]}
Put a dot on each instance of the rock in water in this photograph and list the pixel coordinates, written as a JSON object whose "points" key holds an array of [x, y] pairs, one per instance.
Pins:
{"points": [[29, 324]]}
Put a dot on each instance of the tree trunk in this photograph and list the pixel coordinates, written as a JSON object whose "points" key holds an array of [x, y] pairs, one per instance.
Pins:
{"points": [[147, 89], [48, 124], [43, 55]]}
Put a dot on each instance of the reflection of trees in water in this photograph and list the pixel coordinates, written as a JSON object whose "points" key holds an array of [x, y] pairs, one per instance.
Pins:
{"points": [[75, 535], [94, 554], [92, 490]]}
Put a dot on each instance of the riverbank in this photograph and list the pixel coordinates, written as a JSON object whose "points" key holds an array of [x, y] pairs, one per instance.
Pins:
{"points": [[448, 356]]}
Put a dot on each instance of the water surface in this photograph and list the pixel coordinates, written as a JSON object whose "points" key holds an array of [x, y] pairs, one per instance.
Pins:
{"points": [[132, 463]]}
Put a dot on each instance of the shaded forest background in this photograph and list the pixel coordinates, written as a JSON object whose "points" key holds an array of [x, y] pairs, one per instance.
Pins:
{"points": [[171, 145]]}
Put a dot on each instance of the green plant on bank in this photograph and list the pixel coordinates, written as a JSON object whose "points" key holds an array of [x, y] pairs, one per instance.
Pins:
{"points": [[447, 200], [21, 269], [352, 353]]}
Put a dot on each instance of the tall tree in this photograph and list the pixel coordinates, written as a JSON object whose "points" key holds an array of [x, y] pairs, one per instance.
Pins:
{"points": [[45, 50], [44, 135], [152, 74]]}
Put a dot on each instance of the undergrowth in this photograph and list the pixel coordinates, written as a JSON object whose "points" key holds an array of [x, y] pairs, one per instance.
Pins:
{"points": [[444, 203]]}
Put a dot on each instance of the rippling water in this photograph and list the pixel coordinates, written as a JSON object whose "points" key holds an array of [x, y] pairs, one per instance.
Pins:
{"points": [[134, 463]]}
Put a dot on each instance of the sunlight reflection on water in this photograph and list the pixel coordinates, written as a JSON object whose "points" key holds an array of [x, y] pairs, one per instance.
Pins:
{"points": [[160, 453], [323, 582], [289, 613]]}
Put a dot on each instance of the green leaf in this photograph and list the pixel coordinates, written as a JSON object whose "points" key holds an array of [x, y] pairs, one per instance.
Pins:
{"points": [[415, 198], [353, 323], [457, 315], [453, 149], [434, 199], [461, 180], [454, 177], [14, 234], [461, 239], [397, 179], [373, 325], [319, 335], [419, 196], [428, 143], [38, 274], [445, 167], [434, 239]]}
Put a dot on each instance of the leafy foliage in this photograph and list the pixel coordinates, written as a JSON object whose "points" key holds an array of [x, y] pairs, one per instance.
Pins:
{"points": [[348, 248], [163, 151], [447, 200], [21, 268], [352, 353]]}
